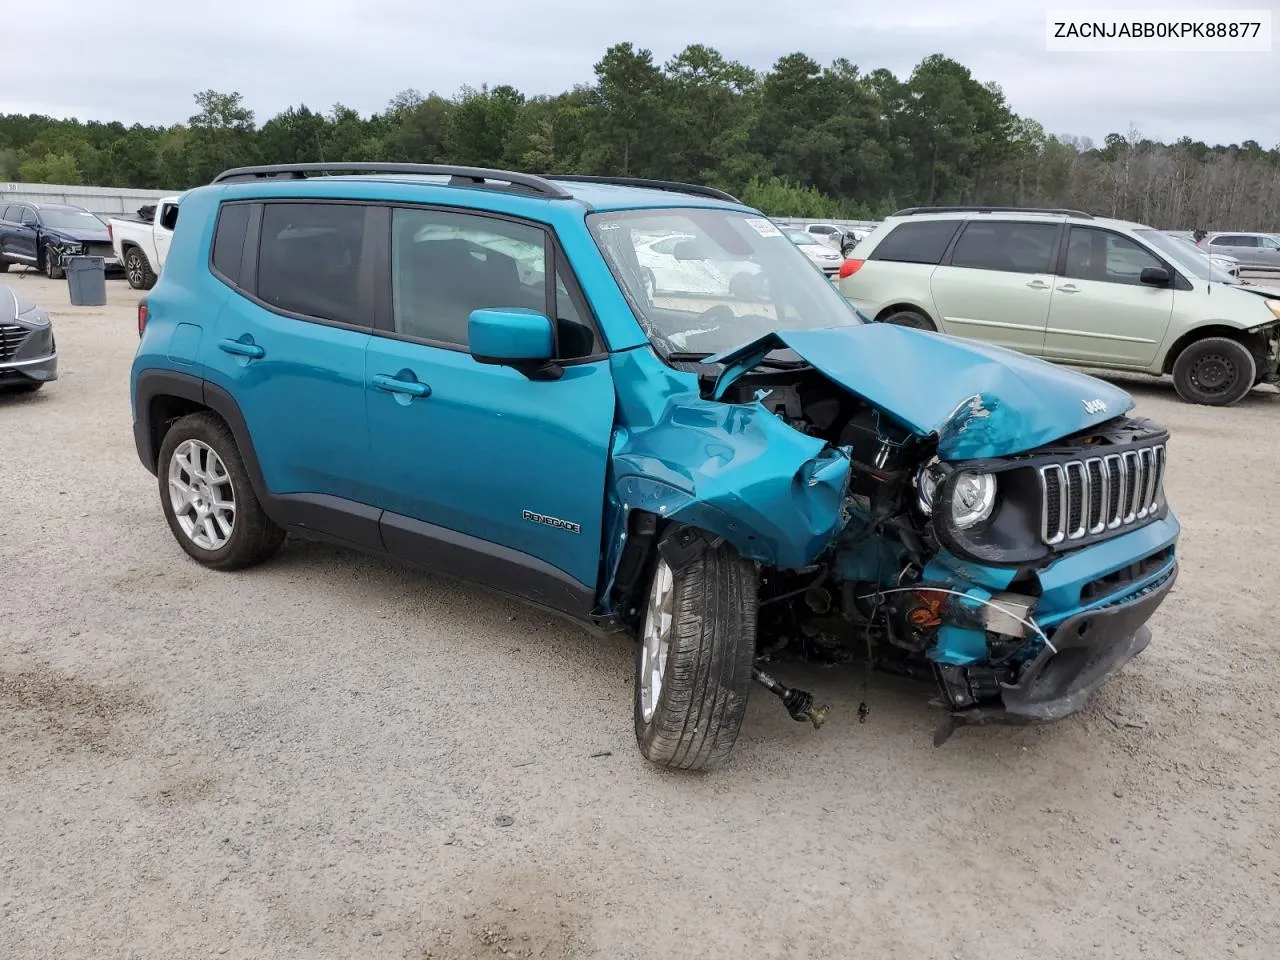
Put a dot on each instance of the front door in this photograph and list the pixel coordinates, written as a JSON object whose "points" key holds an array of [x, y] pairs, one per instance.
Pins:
{"points": [[1101, 310], [289, 346], [482, 471], [996, 285]]}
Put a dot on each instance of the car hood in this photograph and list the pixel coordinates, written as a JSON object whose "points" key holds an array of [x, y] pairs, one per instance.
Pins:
{"points": [[978, 400], [80, 236]]}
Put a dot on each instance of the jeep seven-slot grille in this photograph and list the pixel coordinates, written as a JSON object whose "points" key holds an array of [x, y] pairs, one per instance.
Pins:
{"points": [[11, 337], [1083, 498]]}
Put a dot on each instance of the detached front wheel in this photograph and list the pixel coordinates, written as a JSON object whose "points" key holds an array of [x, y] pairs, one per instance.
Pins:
{"points": [[693, 664]]}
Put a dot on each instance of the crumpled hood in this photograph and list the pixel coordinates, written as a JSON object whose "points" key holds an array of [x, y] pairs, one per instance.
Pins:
{"points": [[79, 236], [980, 400]]}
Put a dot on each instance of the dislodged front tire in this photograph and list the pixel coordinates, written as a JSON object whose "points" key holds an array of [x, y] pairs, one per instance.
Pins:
{"points": [[693, 664], [1216, 371], [53, 268], [207, 498]]}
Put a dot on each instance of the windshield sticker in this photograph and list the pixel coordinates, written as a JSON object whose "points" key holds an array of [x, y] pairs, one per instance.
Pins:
{"points": [[764, 227]]}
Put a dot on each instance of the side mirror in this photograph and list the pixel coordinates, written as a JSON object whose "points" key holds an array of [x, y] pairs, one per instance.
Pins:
{"points": [[1155, 276], [517, 338]]}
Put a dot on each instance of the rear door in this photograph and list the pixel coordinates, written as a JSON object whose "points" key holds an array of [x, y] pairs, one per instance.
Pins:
{"points": [[484, 472], [289, 348], [1101, 312], [1241, 246], [996, 282]]}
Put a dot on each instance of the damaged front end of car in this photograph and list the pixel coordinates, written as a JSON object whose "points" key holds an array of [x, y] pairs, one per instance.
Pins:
{"points": [[947, 510]]}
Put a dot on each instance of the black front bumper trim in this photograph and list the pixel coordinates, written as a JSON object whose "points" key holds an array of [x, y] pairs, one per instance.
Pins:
{"points": [[1059, 682]]}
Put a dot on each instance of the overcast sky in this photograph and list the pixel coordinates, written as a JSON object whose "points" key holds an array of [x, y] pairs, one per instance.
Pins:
{"points": [[142, 61]]}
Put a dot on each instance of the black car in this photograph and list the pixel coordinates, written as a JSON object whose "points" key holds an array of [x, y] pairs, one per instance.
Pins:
{"points": [[45, 235], [28, 354]]}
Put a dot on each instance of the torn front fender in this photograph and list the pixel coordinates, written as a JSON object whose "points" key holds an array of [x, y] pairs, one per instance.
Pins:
{"points": [[738, 471]]}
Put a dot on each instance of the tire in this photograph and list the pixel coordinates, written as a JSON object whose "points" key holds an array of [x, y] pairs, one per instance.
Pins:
{"points": [[252, 536], [689, 703], [1216, 371], [909, 318], [51, 271], [137, 270]]}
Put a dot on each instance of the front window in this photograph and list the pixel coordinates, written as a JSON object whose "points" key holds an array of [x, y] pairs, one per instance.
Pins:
{"points": [[70, 220], [705, 281], [1186, 255]]}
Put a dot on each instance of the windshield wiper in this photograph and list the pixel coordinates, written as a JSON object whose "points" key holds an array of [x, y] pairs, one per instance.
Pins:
{"points": [[681, 357]]}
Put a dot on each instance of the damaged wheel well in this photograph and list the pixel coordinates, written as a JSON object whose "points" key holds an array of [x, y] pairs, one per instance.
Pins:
{"points": [[1252, 342]]}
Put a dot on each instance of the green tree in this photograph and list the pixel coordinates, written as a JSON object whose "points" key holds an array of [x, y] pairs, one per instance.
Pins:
{"points": [[57, 168], [222, 135]]}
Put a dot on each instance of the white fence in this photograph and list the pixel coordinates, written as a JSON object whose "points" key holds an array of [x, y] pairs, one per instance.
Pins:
{"points": [[104, 201]]}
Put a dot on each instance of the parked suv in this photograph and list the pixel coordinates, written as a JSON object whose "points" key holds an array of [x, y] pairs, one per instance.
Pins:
{"points": [[46, 235], [1071, 288], [1254, 251], [728, 474]]}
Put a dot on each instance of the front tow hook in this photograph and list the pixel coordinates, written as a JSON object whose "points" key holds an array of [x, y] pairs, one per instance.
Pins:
{"points": [[799, 703]]}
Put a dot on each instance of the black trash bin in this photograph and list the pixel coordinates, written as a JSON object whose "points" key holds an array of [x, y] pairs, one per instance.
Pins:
{"points": [[87, 281]]}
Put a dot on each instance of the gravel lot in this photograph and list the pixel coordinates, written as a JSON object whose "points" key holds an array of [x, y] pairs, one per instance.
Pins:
{"points": [[314, 759]]}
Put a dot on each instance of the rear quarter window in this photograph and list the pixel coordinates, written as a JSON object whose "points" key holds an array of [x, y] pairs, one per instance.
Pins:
{"points": [[923, 241], [228, 241]]}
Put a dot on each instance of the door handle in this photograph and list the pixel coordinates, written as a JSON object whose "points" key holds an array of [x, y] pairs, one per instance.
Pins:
{"points": [[242, 348], [395, 385], [1038, 285], [1069, 288]]}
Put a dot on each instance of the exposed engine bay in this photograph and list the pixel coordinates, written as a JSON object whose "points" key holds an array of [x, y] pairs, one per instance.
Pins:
{"points": [[877, 596]]}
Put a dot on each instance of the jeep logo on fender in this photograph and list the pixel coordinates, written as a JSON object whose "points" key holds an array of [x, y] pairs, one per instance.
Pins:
{"points": [[551, 521], [1095, 406]]}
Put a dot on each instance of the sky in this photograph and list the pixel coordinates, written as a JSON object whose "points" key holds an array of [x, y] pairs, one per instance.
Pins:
{"points": [[142, 62]]}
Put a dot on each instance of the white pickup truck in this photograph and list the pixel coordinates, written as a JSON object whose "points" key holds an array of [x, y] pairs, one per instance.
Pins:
{"points": [[142, 242]]}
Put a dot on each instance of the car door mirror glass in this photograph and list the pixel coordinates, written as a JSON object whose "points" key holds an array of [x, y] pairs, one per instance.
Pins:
{"points": [[515, 338], [1155, 276]]}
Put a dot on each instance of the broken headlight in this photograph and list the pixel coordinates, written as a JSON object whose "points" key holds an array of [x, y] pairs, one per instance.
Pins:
{"points": [[927, 481], [973, 497]]}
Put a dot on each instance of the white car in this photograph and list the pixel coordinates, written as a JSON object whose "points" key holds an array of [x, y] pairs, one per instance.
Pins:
{"points": [[663, 272], [820, 254]]}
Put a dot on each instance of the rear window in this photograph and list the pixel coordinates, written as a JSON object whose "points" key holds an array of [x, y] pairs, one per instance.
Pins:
{"points": [[918, 241], [228, 242], [309, 259], [1013, 247]]}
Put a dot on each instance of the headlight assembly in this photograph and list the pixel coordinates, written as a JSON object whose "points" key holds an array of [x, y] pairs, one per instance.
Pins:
{"points": [[973, 497], [927, 481]]}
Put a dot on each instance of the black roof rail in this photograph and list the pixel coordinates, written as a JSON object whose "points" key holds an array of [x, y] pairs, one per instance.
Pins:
{"points": [[987, 208], [674, 186], [459, 176]]}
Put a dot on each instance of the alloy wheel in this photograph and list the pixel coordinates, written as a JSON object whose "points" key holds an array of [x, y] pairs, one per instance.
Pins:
{"points": [[201, 494]]}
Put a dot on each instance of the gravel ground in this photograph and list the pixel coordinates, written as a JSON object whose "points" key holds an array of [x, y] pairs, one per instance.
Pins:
{"points": [[332, 756]]}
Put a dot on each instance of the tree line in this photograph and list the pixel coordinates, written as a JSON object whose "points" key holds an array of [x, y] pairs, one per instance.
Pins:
{"points": [[798, 140]]}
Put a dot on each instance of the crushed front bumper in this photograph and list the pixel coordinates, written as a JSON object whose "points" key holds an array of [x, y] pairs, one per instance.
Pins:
{"points": [[1082, 652]]}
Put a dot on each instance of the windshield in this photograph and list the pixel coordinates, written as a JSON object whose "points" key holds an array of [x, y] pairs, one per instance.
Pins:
{"points": [[803, 239], [70, 219], [705, 281], [1186, 255]]}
